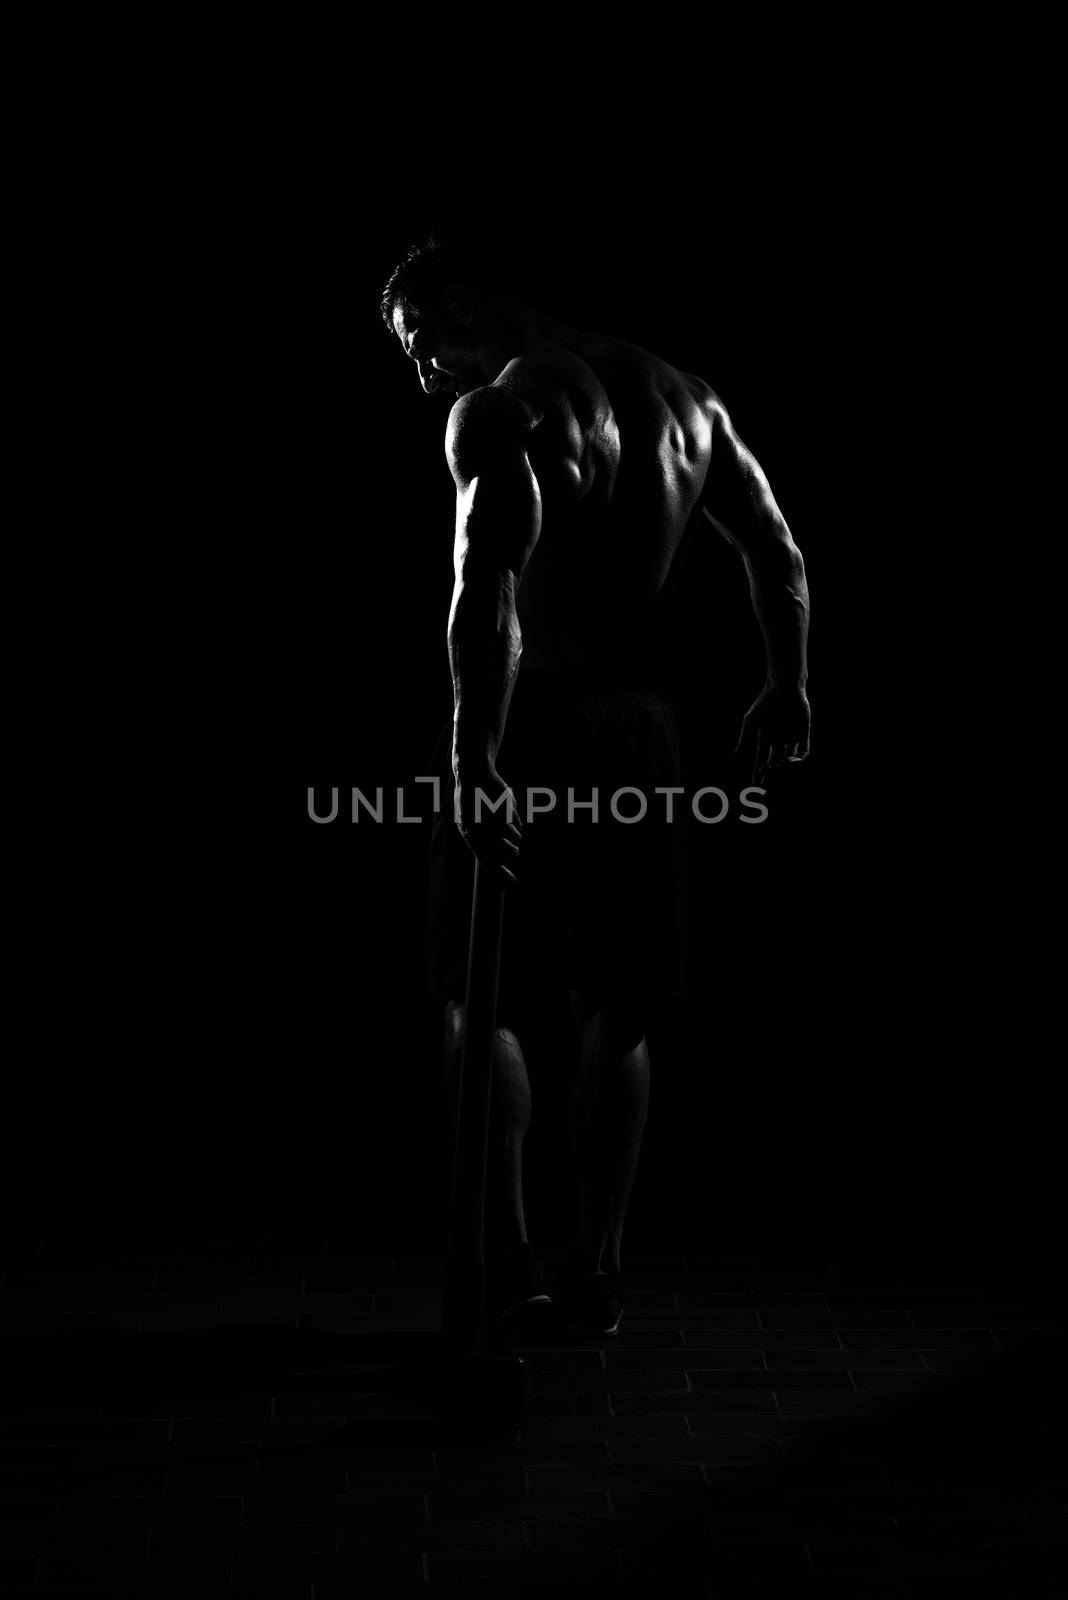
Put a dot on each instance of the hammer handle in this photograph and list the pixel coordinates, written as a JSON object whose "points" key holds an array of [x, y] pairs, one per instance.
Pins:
{"points": [[465, 1279]]}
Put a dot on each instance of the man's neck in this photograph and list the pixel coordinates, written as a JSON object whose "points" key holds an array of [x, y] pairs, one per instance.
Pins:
{"points": [[517, 332]]}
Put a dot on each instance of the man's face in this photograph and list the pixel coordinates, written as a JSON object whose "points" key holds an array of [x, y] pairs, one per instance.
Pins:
{"points": [[446, 363]]}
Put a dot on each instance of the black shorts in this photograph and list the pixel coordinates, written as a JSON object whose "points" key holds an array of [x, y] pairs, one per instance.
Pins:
{"points": [[597, 906]]}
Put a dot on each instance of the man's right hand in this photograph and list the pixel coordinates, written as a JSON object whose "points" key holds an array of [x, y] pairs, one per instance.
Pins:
{"points": [[492, 836], [775, 730]]}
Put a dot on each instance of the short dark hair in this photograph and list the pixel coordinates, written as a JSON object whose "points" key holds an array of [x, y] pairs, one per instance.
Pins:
{"points": [[420, 281]]}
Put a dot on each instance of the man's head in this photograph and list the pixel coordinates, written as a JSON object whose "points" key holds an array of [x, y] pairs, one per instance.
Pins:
{"points": [[443, 305]]}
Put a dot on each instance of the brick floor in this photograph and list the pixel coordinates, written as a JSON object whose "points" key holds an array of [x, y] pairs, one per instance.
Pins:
{"points": [[201, 1422]]}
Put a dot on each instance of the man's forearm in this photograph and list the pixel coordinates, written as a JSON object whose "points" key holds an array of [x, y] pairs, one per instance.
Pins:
{"points": [[484, 649], [780, 599]]}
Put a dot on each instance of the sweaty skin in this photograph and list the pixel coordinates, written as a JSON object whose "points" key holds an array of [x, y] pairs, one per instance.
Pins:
{"points": [[579, 462]]}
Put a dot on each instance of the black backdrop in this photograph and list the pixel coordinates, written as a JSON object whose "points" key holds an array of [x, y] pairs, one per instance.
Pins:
{"points": [[274, 1059]]}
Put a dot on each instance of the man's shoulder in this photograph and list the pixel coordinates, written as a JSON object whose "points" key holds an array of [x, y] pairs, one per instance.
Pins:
{"points": [[551, 386], [488, 416]]}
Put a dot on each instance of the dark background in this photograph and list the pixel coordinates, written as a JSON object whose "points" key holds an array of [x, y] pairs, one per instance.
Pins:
{"points": [[268, 1057]]}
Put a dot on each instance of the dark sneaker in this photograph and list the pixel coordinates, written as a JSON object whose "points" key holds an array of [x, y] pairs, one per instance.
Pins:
{"points": [[591, 1303], [518, 1305]]}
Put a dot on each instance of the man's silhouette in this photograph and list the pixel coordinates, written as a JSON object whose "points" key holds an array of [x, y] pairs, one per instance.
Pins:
{"points": [[579, 461]]}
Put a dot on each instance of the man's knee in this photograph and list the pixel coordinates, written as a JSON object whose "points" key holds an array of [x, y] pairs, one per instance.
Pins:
{"points": [[453, 1020], [622, 1021]]}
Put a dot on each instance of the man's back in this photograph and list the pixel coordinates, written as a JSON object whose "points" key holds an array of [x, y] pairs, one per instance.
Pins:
{"points": [[620, 443]]}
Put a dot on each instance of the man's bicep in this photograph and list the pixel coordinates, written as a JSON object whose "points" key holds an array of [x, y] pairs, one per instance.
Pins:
{"points": [[498, 499]]}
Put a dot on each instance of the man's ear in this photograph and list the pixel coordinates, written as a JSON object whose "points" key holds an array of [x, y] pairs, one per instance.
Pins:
{"points": [[460, 303]]}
